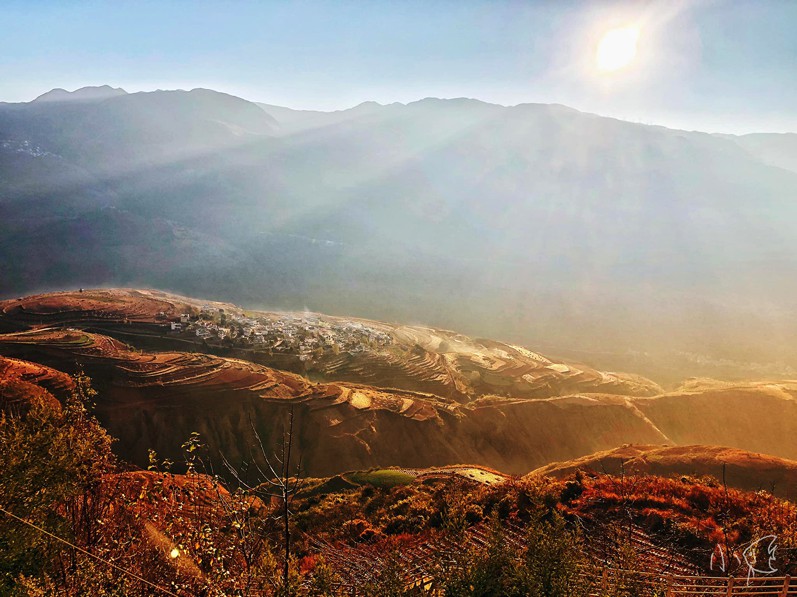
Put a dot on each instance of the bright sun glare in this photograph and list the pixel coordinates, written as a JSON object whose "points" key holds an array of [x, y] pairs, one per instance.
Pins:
{"points": [[617, 49]]}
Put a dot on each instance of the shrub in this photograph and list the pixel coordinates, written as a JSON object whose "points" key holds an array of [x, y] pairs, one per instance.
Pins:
{"points": [[53, 461]]}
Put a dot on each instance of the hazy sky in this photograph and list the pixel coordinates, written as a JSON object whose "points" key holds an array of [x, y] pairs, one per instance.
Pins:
{"points": [[709, 65]]}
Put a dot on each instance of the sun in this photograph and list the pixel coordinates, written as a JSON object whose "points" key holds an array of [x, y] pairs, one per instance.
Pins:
{"points": [[617, 48]]}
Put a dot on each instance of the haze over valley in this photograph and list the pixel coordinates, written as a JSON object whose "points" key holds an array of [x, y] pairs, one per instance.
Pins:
{"points": [[662, 251]]}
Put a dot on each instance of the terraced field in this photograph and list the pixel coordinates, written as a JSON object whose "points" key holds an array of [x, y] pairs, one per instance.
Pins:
{"points": [[417, 555], [401, 476], [199, 374], [425, 398], [52, 380], [103, 306], [21, 381], [156, 399], [416, 358]]}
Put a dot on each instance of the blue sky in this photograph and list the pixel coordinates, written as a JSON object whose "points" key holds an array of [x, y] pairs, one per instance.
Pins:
{"points": [[709, 65]]}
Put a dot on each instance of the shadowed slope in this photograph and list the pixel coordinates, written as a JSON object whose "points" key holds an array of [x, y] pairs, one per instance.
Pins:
{"points": [[755, 416]]}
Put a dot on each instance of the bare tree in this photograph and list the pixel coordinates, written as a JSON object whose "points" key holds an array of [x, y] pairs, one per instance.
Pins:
{"points": [[276, 482]]}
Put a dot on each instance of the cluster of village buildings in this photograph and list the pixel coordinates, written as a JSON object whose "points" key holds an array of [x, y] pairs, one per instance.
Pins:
{"points": [[24, 147], [305, 335]]}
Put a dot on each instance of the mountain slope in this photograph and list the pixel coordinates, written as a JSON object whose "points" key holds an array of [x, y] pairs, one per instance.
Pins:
{"points": [[326, 348], [155, 400], [742, 469], [297, 121], [535, 223], [775, 149]]}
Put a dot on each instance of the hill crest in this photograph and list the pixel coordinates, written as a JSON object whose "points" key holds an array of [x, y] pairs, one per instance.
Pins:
{"points": [[80, 95]]}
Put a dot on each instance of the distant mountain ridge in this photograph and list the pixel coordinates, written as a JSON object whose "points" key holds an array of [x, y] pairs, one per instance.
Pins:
{"points": [[294, 121], [82, 94], [536, 223], [775, 149]]}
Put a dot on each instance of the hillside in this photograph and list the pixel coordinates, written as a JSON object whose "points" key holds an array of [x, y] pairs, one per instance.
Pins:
{"points": [[752, 416], [23, 381], [742, 469], [363, 529], [416, 358], [498, 221], [771, 148], [155, 398]]}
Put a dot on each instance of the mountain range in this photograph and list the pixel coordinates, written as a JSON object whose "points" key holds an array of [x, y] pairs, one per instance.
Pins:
{"points": [[665, 252]]}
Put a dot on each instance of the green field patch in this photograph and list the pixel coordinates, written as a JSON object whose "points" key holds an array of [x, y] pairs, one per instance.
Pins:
{"points": [[77, 340], [496, 379], [380, 477]]}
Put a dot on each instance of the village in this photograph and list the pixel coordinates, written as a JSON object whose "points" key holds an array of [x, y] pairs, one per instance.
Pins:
{"points": [[306, 335]]}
